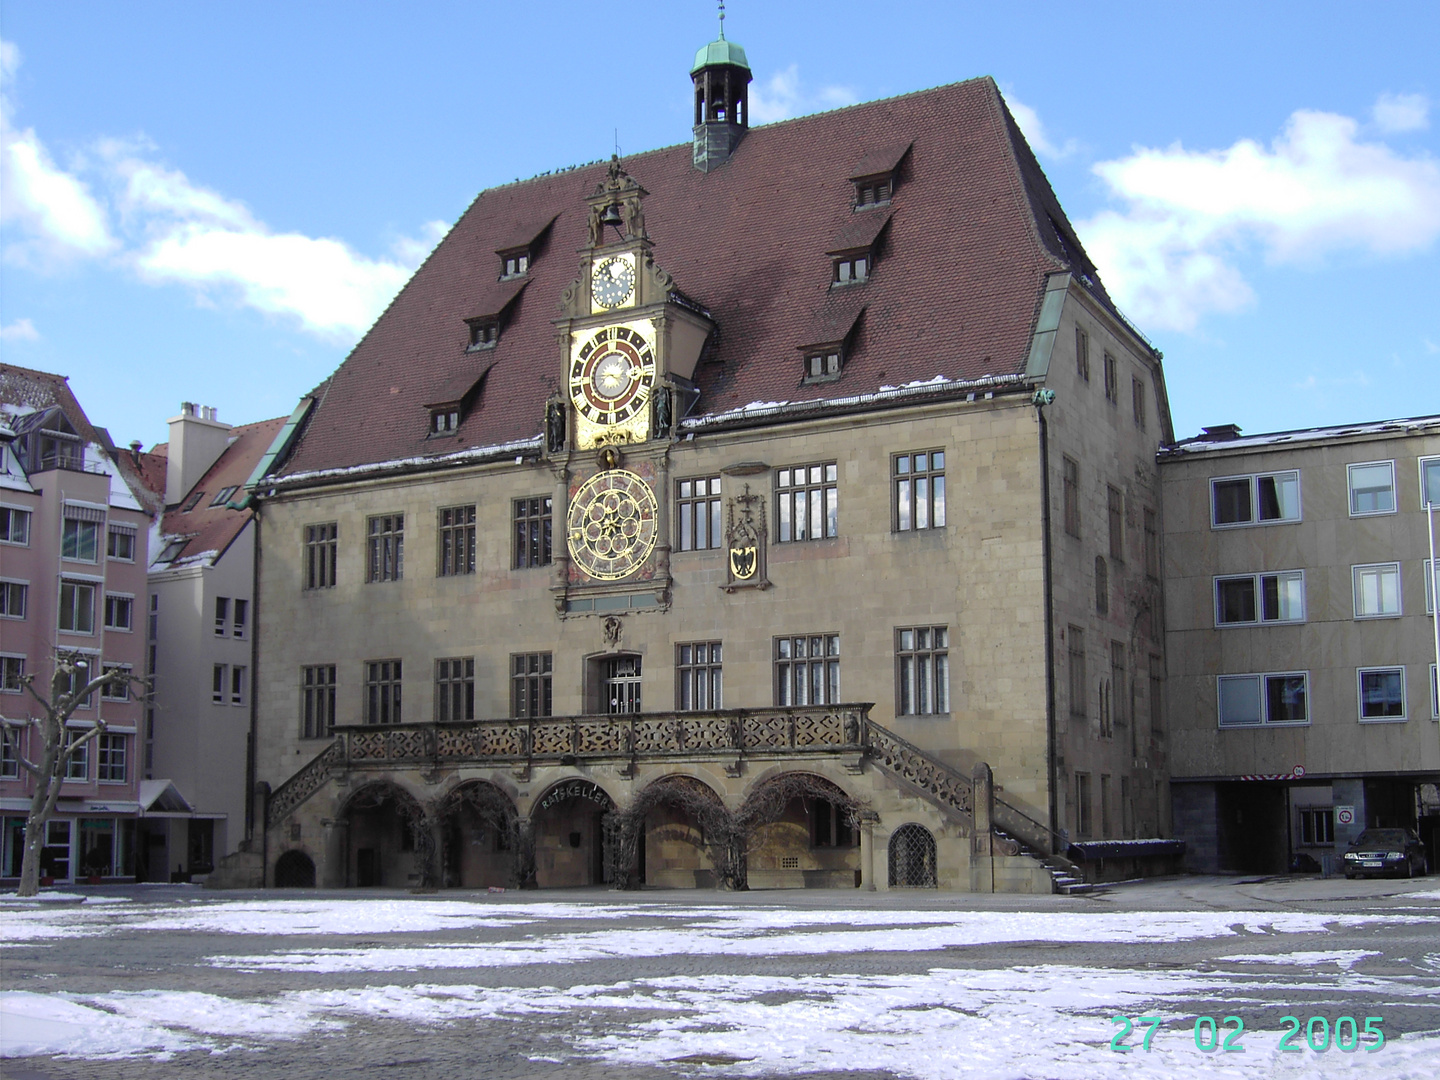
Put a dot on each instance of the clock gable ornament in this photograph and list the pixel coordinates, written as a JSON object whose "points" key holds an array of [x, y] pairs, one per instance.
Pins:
{"points": [[612, 524]]}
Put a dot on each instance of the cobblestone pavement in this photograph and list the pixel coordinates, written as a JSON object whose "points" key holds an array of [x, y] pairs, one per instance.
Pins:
{"points": [[553, 1019]]}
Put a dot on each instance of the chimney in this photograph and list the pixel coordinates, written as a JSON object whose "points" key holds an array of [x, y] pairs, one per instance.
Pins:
{"points": [[1221, 432], [197, 439]]}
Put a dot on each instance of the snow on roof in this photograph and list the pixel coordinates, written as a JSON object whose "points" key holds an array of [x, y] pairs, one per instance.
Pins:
{"points": [[1200, 444]]}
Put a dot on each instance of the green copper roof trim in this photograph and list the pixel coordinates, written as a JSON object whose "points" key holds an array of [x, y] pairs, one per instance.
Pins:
{"points": [[280, 445], [720, 52], [1041, 345]]}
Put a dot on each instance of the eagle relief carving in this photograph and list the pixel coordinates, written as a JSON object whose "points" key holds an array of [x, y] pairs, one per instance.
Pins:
{"points": [[745, 535]]}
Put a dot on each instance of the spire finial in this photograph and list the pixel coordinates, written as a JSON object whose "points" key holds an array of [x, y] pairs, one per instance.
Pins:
{"points": [[722, 20]]}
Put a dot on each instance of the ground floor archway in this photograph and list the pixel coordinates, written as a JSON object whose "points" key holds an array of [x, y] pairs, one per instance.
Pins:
{"points": [[387, 839], [294, 870], [479, 837], [567, 827]]}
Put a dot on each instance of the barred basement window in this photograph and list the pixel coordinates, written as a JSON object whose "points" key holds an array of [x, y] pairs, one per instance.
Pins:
{"points": [[699, 683], [455, 690], [382, 692], [320, 551], [919, 481], [532, 532], [1072, 496], [922, 676], [807, 670], [809, 502], [530, 689], [386, 539], [697, 506], [317, 701], [457, 541]]}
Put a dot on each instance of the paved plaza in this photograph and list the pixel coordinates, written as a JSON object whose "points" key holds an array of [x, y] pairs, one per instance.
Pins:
{"points": [[158, 982]]}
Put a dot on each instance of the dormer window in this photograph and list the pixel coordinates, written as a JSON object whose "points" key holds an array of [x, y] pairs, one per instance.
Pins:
{"points": [[444, 421], [824, 365], [224, 495], [852, 269], [514, 264], [192, 502], [484, 333], [873, 191]]}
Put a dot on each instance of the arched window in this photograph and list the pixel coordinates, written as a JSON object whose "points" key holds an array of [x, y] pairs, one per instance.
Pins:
{"points": [[294, 870]]}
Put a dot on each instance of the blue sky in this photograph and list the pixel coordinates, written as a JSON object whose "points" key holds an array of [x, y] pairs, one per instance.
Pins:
{"points": [[212, 202]]}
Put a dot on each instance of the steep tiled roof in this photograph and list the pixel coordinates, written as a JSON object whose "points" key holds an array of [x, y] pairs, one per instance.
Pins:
{"points": [[24, 388], [973, 229], [210, 530]]}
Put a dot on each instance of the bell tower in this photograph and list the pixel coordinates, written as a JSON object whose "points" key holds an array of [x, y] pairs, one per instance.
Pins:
{"points": [[721, 75]]}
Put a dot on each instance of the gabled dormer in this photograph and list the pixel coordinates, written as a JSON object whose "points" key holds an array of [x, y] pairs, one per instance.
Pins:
{"points": [[492, 313], [522, 247], [454, 401], [855, 249]]}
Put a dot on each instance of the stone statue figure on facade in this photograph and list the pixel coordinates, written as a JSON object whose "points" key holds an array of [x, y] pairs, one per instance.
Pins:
{"points": [[554, 427], [662, 412]]}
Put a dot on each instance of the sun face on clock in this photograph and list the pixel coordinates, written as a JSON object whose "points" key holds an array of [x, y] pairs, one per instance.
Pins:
{"points": [[612, 524], [613, 282], [612, 375]]}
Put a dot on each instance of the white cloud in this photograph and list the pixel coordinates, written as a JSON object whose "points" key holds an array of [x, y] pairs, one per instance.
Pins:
{"points": [[19, 330], [1401, 112], [171, 230], [784, 96], [1035, 133], [1169, 255]]}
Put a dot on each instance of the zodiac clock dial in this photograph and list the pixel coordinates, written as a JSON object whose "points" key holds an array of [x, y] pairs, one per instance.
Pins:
{"points": [[611, 375], [612, 524], [613, 282]]}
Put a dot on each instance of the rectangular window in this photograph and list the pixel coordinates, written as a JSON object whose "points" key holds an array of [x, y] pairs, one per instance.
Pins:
{"points": [[120, 543], [919, 490], [1254, 700], [110, 759], [697, 511], [1260, 499], [219, 682], [1157, 698], [1137, 401], [532, 533], [222, 616], [1152, 545], [530, 691], [1377, 590], [1372, 488], [1072, 497], [242, 615], [80, 540], [1382, 693], [223, 495], [1119, 686], [807, 670], [238, 685], [1260, 598], [77, 765], [1079, 688], [12, 671], [922, 675], [1083, 821], [851, 269], [385, 536], [116, 691], [382, 692], [317, 701], [1104, 805], [1434, 693], [1112, 381], [823, 365], [10, 755], [1317, 827], [320, 550], [699, 682], [14, 596], [457, 541], [455, 690], [1429, 482], [14, 525], [809, 502], [1115, 511], [1082, 354], [77, 607]]}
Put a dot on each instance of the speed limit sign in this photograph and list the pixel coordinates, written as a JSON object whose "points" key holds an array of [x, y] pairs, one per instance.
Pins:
{"points": [[1344, 815]]}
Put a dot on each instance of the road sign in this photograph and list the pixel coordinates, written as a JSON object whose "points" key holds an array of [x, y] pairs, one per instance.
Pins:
{"points": [[1344, 815]]}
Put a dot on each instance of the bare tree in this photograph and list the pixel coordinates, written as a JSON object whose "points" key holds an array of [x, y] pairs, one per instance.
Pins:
{"points": [[71, 684]]}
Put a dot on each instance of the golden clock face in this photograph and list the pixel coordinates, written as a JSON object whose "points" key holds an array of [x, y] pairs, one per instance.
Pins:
{"points": [[613, 282], [611, 375], [612, 524]]}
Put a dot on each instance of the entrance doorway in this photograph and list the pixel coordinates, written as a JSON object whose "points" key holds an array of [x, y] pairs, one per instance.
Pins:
{"points": [[570, 835]]}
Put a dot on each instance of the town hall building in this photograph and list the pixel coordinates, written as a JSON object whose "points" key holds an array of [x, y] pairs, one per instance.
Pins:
{"points": [[779, 508]]}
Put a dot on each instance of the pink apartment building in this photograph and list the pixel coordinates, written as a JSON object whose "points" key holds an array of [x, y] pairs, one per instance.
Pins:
{"points": [[74, 540]]}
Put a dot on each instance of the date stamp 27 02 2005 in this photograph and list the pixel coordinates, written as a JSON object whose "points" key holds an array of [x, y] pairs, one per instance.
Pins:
{"points": [[1346, 1035]]}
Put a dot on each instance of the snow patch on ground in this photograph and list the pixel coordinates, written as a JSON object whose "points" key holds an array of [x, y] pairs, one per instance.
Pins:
{"points": [[1344, 958]]}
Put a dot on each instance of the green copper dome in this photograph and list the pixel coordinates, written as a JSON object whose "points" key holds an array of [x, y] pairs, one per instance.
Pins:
{"points": [[720, 51]]}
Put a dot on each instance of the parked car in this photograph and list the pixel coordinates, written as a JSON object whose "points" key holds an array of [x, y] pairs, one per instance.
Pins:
{"points": [[1385, 851]]}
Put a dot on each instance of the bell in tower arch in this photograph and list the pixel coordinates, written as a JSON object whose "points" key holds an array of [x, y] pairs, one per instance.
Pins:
{"points": [[721, 75]]}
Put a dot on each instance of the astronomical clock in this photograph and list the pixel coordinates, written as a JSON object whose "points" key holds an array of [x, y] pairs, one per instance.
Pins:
{"points": [[631, 345]]}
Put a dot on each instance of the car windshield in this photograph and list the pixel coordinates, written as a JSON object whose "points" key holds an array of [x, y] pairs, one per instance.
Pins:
{"points": [[1381, 838]]}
